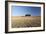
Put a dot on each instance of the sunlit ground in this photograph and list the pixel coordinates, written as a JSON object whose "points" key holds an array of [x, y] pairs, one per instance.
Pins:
{"points": [[25, 21]]}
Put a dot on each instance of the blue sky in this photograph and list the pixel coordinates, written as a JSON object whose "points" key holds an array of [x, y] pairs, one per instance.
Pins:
{"points": [[22, 10]]}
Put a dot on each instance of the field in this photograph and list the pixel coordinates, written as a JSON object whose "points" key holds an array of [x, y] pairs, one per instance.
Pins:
{"points": [[25, 21]]}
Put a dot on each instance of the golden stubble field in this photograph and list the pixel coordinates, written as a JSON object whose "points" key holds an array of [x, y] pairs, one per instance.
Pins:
{"points": [[25, 21]]}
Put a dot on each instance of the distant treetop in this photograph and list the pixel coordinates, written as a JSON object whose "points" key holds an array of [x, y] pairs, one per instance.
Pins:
{"points": [[27, 15]]}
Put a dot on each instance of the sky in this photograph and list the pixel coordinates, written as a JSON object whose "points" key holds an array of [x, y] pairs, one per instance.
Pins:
{"points": [[23, 10]]}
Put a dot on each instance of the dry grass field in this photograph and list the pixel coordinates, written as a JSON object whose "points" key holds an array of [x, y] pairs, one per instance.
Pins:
{"points": [[25, 21]]}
